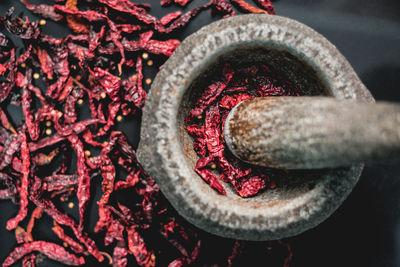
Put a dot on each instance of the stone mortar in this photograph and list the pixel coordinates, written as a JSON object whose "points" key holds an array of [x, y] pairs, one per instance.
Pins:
{"points": [[303, 199]]}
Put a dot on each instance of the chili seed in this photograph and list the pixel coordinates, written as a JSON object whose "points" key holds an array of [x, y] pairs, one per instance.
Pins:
{"points": [[145, 56], [148, 81], [36, 76], [42, 22]]}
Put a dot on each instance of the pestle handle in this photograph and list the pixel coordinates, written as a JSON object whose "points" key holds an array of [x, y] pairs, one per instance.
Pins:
{"points": [[312, 132]]}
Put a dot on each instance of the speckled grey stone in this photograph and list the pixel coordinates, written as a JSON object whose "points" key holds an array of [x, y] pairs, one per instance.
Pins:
{"points": [[303, 199], [312, 132]]}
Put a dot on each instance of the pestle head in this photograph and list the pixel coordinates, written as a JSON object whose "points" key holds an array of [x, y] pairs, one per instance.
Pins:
{"points": [[312, 132]]}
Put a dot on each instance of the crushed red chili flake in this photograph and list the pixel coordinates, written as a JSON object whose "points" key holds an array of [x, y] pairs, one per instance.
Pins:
{"points": [[43, 158]]}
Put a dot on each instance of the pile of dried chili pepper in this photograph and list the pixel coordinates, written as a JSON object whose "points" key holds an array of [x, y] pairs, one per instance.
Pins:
{"points": [[206, 120], [58, 154]]}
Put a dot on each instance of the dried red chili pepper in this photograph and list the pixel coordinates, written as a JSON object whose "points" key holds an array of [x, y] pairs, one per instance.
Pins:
{"points": [[251, 186], [133, 9], [36, 214], [236, 250], [166, 2], [224, 8], [23, 192], [26, 103], [83, 192], [145, 43], [61, 68], [108, 174], [58, 182], [46, 63], [137, 247], [246, 6], [51, 250], [180, 2], [131, 180], [43, 10], [289, 257], [5, 122], [75, 247], [170, 17], [119, 256], [115, 231], [70, 115], [267, 5], [73, 23]]}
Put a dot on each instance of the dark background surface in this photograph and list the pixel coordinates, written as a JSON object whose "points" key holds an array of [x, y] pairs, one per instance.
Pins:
{"points": [[365, 230]]}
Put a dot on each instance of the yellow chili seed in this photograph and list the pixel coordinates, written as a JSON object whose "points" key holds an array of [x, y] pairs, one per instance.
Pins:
{"points": [[103, 95], [119, 118], [71, 205], [42, 22], [148, 81], [65, 244], [23, 65], [145, 56], [36, 76], [213, 166], [150, 62], [48, 131], [87, 153], [48, 123], [80, 101], [199, 117]]}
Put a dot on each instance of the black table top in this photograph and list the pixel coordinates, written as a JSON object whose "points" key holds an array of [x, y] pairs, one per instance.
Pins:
{"points": [[365, 230]]}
